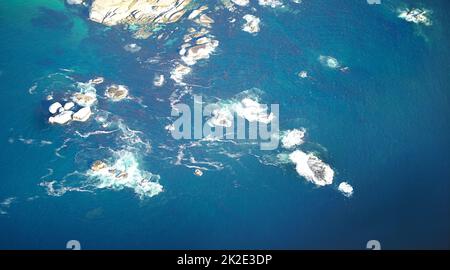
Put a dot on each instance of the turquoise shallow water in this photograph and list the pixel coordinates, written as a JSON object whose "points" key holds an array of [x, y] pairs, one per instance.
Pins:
{"points": [[383, 126]]}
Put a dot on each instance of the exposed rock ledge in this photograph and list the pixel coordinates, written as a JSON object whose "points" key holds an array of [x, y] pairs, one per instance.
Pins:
{"points": [[114, 12]]}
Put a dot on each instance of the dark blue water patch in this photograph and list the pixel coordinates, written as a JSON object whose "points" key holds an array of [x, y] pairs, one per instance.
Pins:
{"points": [[52, 19]]}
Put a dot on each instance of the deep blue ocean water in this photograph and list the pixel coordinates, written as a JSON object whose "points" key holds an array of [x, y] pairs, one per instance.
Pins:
{"points": [[383, 127]]}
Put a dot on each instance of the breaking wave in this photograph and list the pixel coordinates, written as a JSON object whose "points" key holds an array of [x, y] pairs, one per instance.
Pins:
{"points": [[123, 172], [312, 168], [292, 138]]}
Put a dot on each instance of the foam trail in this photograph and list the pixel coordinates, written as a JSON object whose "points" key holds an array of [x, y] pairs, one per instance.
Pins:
{"points": [[57, 189], [97, 132], [50, 172], [6, 204], [64, 145]]}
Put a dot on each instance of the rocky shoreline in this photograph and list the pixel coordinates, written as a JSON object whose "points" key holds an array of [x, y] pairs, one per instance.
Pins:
{"points": [[138, 12]]}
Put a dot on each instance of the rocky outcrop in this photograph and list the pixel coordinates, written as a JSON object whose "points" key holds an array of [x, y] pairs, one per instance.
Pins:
{"points": [[114, 12], [198, 44], [417, 16], [124, 172], [116, 92], [85, 99], [179, 72], [63, 114], [312, 168], [197, 12], [303, 74], [96, 81], [198, 172], [54, 107], [79, 108], [203, 48], [82, 115], [251, 24], [61, 118], [69, 106], [98, 165]]}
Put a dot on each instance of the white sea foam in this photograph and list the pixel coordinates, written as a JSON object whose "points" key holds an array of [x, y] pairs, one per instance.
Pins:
{"points": [[202, 50], [179, 72], [312, 168], [329, 61], [62, 118], [26, 141], [50, 172], [6, 204], [292, 138], [270, 3], [32, 198], [96, 132], [57, 189], [30, 141], [124, 172], [158, 81], [117, 92], [177, 95], [251, 24], [87, 95], [253, 111], [346, 189], [32, 89], [241, 3], [245, 105], [186, 158], [132, 138], [417, 16], [63, 146], [222, 117], [132, 48], [74, 2], [51, 190]]}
